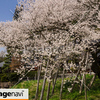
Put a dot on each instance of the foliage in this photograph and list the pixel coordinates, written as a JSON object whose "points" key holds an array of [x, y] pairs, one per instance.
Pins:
{"points": [[7, 74], [4, 78], [17, 12], [7, 62], [1, 59], [31, 74], [13, 77], [15, 63]]}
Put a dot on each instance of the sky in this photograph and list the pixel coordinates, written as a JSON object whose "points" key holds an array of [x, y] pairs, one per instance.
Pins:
{"points": [[2, 49], [5, 7], [5, 13]]}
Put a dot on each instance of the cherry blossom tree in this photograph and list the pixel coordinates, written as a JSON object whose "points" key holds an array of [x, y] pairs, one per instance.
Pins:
{"points": [[55, 32]]}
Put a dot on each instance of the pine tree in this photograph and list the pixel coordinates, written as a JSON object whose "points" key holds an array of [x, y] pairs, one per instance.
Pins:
{"points": [[7, 60], [17, 12], [7, 74]]}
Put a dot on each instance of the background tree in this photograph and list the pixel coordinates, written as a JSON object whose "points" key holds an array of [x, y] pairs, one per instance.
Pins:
{"points": [[8, 73], [7, 62], [17, 12], [2, 55]]}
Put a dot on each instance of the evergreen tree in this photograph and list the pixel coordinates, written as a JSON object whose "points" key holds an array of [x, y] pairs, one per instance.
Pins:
{"points": [[7, 62], [17, 12], [1, 59], [7, 74]]}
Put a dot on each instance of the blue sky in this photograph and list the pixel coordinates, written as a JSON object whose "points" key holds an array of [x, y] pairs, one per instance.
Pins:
{"points": [[5, 13], [5, 7], [2, 49]]}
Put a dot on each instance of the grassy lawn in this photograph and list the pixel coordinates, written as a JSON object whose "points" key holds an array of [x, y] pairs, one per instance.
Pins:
{"points": [[93, 94]]}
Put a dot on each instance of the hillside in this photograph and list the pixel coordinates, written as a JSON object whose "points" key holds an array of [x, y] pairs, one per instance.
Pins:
{"points": [[93, 94]]}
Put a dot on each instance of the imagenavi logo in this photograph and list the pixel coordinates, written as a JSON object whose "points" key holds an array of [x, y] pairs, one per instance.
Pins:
{"points": [[14, 94]]}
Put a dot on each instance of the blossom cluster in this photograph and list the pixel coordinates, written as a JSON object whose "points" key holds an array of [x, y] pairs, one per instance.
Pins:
{"points": [[64, 26]]}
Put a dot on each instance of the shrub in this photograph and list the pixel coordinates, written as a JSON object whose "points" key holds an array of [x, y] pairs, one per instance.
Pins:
{"points": [[13, 77], [4, 78]]}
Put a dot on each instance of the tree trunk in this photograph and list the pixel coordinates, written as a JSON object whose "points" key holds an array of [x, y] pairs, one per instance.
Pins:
{"points": [[39, 71], [62, 84]]}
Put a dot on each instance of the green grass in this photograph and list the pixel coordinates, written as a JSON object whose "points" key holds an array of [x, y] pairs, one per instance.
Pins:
{"points": [[93, 94]]}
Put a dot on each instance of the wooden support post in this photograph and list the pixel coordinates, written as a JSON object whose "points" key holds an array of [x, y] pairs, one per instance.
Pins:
{"points": [[42, 92], [48, 91], [39, 71], [81, 86], [43, 87], [85, 87], [49, 83], [54, 81], [91, 82], [62, 84], [75, 79]]}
